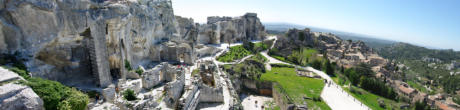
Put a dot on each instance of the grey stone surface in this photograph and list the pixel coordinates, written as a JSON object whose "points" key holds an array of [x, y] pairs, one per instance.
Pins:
{"points": [[152, 77], [109, 93], [6, 75], [135, 85], [19, 97]]}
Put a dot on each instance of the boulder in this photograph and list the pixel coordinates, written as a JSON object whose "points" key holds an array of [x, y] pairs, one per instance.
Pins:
{"points": [[19, 97], [135, 85], [109, 93], [132, 75]]}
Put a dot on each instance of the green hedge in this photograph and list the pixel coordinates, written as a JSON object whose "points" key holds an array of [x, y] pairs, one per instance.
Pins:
{"points": [[57, 96], [281, 65], [129, 95]]}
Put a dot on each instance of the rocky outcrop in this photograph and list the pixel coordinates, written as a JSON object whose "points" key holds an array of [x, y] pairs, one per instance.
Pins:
{"points": [[87, 42], [17, 97], [228, 30]]}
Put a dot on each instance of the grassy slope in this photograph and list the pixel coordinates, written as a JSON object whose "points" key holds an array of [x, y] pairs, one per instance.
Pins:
{"points": [[297, 87], [367, 98], [371, 101], [238, 52]]}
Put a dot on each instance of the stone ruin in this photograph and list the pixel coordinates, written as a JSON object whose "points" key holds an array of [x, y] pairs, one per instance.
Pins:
{"points": [[99, 45]]}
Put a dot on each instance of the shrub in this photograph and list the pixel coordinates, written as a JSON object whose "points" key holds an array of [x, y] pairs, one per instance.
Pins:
{"points": [[129, 95], [57, 96], [456, 99], [76, 99], [139, 71], [128, 65], [64, 105], [281, 65], [316, 64]]}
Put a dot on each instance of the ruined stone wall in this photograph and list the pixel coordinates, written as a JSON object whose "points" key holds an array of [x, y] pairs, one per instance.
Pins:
{"points": [[213, 94], [281, 99]]}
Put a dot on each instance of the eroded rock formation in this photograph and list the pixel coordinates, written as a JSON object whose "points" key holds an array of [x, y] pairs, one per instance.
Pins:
{"points": [[87, 42]]}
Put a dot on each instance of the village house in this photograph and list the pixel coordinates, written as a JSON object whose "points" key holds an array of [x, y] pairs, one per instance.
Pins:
{"points": [[406, 91]]}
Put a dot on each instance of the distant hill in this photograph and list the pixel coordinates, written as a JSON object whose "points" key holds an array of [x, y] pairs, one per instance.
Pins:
{"points": [[280, 28], [405, 51]]}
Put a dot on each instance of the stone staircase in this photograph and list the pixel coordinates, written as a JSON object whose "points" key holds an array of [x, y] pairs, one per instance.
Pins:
{"points": [[93, 60]]}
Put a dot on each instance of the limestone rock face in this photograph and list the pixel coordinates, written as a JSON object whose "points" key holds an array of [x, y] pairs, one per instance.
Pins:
{"points": [[81, 42], [228, 30], [86, 43], [19, 97]]}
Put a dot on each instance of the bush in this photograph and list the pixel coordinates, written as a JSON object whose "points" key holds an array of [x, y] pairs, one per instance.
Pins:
{"points": [[139, 71], [64, 105], [57, 96], [129, 95], [76, 99], [128, 65], [281, 65], [456, 99], [421, 106], [316, 64]]}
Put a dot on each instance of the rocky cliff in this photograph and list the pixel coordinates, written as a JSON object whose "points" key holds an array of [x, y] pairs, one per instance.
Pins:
{"points": [[223, 29], [88, 42]]}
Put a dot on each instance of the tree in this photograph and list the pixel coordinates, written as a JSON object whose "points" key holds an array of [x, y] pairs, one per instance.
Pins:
{"points": [[342, 70], [316, 64], [421, 106], [301, 36], [329, 68], [364, 69]]}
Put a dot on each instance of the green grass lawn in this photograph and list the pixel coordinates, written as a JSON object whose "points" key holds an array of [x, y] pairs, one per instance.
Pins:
{"points": [[371, 101], [417, 86], [259, 57], [235, 52], [297, 87]]}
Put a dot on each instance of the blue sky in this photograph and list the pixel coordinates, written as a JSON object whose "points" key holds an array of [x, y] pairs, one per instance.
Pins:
{"points": [[431, 23]]}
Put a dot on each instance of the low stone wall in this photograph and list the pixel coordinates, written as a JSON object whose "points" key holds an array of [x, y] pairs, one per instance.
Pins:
{"points": [[258, 87], [191, 98], [281, 99], [212, 94]]}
